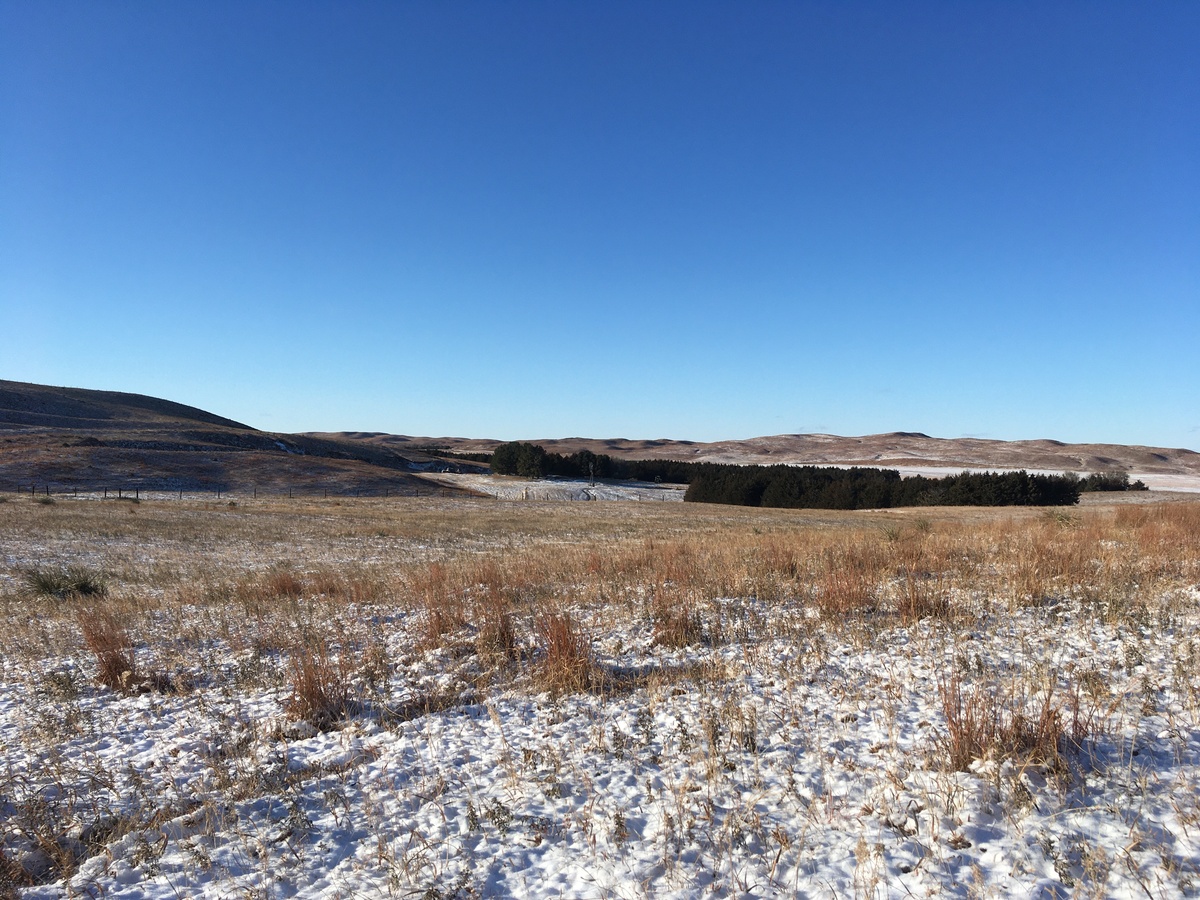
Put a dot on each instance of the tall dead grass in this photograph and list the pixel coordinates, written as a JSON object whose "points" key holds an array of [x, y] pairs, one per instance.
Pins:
{"points": [[676, 619], [489, 577], [322, 691], [987, 721], [567, 664], [110, 643]]}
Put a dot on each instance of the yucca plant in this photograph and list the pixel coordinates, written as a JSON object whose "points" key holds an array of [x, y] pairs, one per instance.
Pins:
{"points": [[61, 583]]}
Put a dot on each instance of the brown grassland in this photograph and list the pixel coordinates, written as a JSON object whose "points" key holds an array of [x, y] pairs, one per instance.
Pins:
{"points": [[398, 608], [511, 584]]}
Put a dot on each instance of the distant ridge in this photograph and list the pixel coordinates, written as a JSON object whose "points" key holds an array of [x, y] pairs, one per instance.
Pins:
{"points": [[905, 450]]}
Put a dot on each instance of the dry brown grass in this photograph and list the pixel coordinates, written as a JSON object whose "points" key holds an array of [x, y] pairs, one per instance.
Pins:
{"points": [[567, 664], [845, 592], [479, 574], [12, 877], [440, 601], [985, 722], [108, 639], [924, 596], [424, 605], [676, 620], [283, 583], [322, 692]]}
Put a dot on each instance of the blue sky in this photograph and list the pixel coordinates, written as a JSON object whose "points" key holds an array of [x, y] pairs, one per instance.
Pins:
{"points": [[692, 220]]}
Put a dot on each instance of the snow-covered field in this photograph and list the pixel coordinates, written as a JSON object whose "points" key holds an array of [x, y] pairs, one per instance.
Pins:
{"points": [[795, 742], [1153, 480], [512, 488]]}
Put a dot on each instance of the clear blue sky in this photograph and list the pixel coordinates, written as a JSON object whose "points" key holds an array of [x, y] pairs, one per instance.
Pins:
{"points": [[681, 219]]}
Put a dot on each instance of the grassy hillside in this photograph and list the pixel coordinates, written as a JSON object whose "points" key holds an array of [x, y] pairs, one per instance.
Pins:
{"points": [[68, 439]]}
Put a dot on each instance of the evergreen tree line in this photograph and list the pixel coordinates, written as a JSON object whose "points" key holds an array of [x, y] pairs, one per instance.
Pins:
{"points": [[812, 487], [1110, 481], [532, 461]]}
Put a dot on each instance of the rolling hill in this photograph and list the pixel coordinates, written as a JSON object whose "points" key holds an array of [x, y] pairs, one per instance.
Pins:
{"points": [[77, 439], [910, 452], [80, 439]]}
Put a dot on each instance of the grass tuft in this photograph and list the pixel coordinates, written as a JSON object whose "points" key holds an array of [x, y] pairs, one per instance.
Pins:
{"points": [[568, 665], [981, 724], [845, 592], [677, 622], [321, 685], [497, 633], [110, 643], [62, 583], [283, 584], [12, 877], [923, 598]]}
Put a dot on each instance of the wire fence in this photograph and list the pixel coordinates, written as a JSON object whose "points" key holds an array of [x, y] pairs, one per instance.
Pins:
{"points": [[50, 491]]}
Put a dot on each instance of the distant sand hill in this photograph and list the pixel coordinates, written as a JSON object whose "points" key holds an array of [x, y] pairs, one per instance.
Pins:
{"points": [[73, 439], [910, 452]]}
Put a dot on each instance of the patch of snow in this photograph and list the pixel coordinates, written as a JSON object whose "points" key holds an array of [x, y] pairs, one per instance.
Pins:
{"points": [[504, 487]]}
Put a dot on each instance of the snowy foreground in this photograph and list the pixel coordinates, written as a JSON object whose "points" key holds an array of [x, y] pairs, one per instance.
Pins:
{"points": [[786, 767], [591, 700]]}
